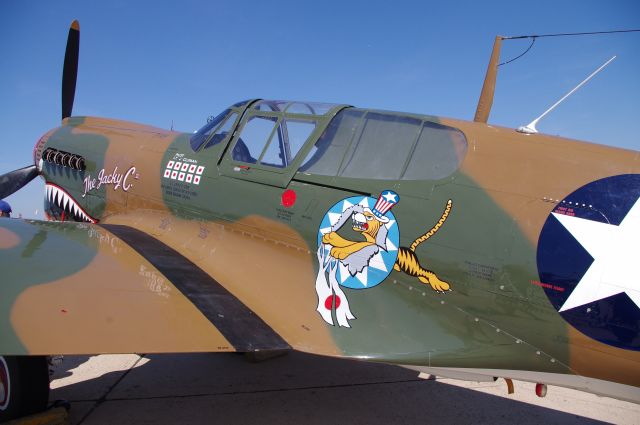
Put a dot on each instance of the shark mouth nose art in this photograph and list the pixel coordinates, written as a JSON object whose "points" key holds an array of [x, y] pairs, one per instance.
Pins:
{"points": [[61, 206]]}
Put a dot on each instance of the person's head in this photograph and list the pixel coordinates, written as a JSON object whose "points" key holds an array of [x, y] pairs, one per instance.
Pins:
{"points": [[5, 209]]}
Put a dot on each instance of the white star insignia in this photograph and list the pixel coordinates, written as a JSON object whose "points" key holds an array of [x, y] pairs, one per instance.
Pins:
{"points": [[616, 262]]}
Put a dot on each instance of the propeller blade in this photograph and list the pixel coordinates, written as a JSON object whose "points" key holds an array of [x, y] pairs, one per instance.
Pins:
{"points": [[15, 180], [70, 70]]}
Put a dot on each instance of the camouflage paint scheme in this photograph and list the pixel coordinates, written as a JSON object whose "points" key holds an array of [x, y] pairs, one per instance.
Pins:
{"points": [[78, 288]]}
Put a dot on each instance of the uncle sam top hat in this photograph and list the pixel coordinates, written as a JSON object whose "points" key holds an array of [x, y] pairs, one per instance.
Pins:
{"points": [[385, 202]]}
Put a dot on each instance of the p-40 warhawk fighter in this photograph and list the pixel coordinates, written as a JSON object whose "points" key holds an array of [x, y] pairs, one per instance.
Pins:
{"points": [[450, 247]]}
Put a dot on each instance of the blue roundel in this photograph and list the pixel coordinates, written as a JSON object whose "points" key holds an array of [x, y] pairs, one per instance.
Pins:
{"points": [[377, 267], [589, 260]]}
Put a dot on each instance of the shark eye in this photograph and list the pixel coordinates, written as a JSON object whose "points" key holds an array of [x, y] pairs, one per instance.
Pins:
{"points": [[369, 218]]}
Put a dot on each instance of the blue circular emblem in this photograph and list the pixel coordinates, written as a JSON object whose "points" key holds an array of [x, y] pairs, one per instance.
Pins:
{"points": [[589, 260], [367, 238]]}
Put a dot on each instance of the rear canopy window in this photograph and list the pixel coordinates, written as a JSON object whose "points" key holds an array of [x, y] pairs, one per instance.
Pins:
{"points": [[437, 154], [382, 146], [326, 155], [376, 145]]}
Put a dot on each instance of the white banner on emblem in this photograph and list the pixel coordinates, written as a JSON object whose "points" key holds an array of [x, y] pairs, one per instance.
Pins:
{"points": [[343, 314], [325, 290], [322, 286]]}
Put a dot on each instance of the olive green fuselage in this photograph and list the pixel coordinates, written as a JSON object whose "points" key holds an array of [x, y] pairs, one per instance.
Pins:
{"points": [[256, 229]]}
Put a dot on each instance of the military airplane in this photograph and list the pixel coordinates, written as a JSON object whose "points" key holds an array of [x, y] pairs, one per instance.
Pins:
{"points": [[455, 248]]}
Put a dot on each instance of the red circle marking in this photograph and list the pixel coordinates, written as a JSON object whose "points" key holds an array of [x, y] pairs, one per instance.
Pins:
{"points": [[288, 198], [328, 303]]}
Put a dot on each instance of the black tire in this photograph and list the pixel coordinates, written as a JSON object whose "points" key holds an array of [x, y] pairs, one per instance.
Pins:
{"points": [[24, 386]]}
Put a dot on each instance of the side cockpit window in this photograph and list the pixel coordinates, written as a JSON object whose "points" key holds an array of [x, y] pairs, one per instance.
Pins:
{"points": [[286, 142], [253, 138], [385, 146], [298, 131], [275, 131], [271, 141]]}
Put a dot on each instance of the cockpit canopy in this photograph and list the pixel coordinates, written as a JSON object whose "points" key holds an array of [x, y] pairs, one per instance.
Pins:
{"points": [[327, 139]]}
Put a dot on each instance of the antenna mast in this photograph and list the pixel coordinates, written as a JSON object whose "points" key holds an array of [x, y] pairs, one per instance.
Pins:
{"points": [[489, 87]]}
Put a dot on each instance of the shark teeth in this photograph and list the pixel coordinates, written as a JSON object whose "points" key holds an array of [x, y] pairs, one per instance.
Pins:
{"points": [[57, 195]]}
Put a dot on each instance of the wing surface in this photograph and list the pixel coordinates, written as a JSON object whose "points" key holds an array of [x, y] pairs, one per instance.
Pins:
{"points": [[78, 288]]}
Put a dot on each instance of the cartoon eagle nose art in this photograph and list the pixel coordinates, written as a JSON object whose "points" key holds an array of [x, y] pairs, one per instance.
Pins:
{"points": [[363, 264]]}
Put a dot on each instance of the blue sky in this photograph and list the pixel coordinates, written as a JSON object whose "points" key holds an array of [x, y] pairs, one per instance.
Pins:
{"points": [[162, 62]]}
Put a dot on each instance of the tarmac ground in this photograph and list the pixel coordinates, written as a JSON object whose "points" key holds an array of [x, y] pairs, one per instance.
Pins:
{"points": [[304, 389]]}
